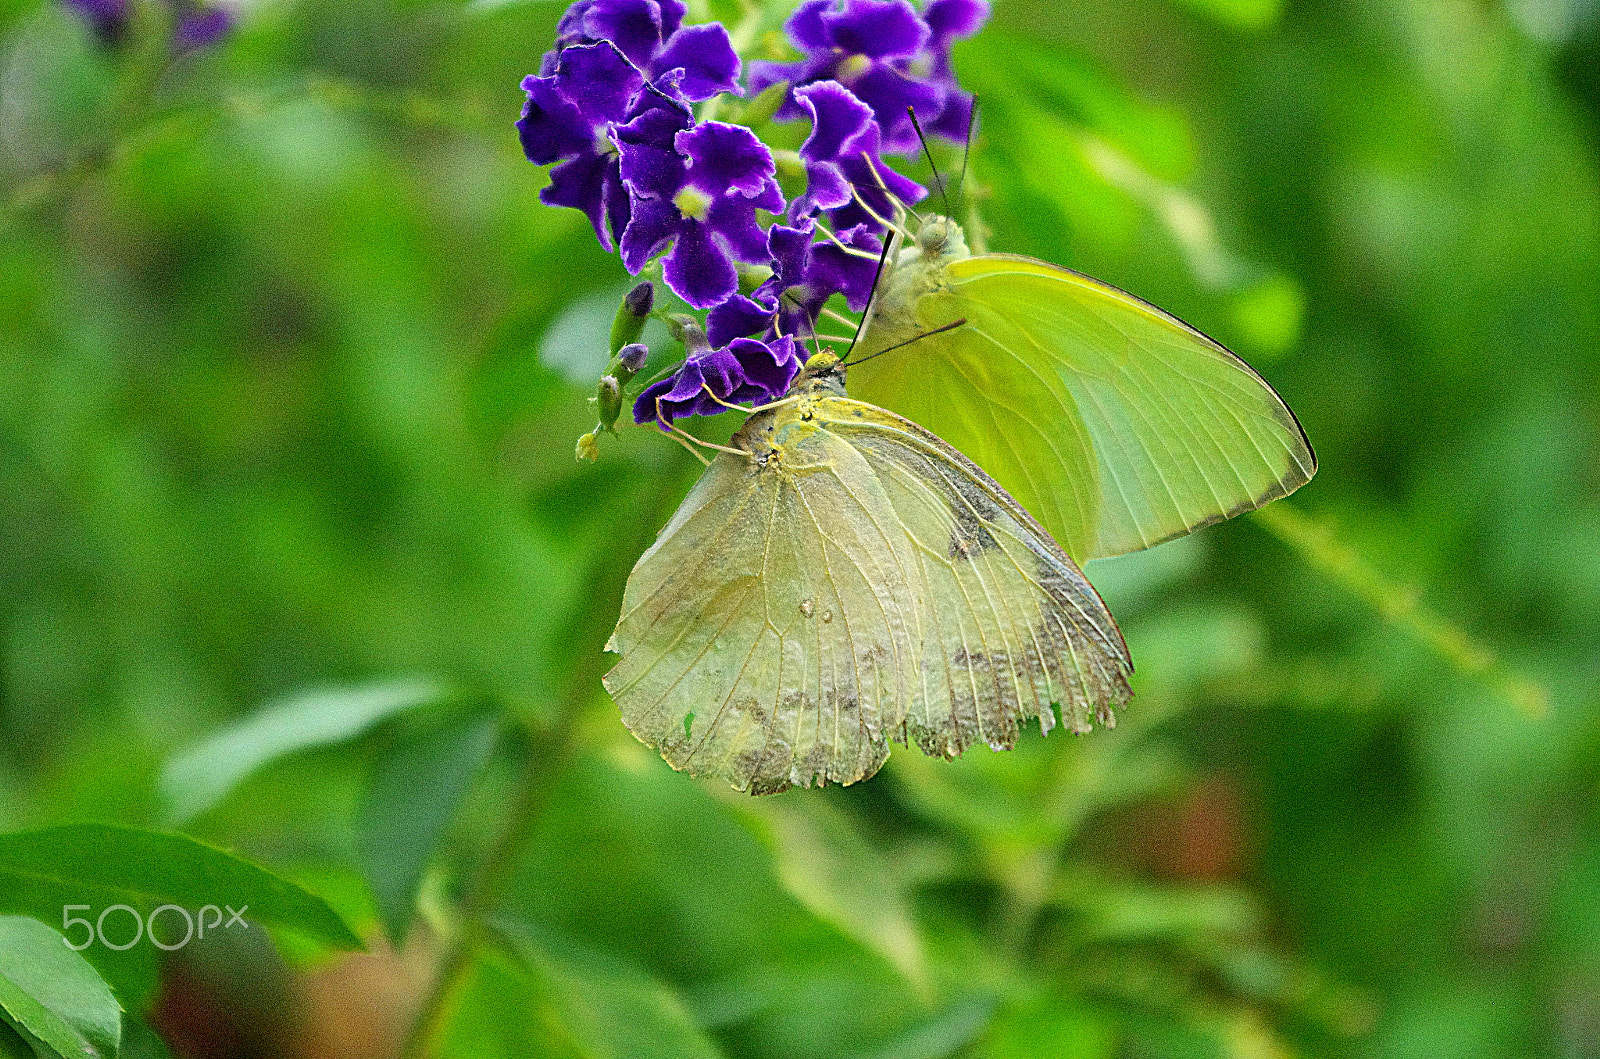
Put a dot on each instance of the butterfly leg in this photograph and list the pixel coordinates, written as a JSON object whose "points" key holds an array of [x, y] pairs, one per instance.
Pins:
{"points": [[741, 408], [683, 437]]}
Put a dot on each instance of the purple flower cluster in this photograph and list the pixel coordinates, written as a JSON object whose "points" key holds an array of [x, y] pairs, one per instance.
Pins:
{"points": [[612, 109], [887, 55], [194, 25], [743, 370]]}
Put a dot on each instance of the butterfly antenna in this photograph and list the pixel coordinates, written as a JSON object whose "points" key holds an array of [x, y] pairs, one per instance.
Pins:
{"points": [[938, 182], [888, 241], [951, 326], [966, 147]]}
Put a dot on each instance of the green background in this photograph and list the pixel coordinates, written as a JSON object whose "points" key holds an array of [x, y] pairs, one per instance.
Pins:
{"points": [[292, 361]]}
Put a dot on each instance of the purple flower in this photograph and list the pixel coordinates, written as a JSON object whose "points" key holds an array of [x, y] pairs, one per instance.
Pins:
{"points": [[868, 46], [743, 370], [572, 115], [841, 159], [805, 274], [949, 20], [701, 195], [651, 34], [198, 26], [194, 25]]}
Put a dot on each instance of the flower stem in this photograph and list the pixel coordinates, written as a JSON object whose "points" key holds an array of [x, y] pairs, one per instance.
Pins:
{"points": [[548, 748], [1316, 543]]}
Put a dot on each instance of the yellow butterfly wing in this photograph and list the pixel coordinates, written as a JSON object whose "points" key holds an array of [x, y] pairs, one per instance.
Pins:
{"points": [[1116, 424], [853, 581]]}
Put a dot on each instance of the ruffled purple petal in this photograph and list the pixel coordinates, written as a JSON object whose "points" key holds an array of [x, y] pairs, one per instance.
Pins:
{"points": [[834, 271], [878, 29], [551, 126], [738, 317], [807, 26], [581, 184], [706, 56], [767, 368], [953, 120], [651, 165], [697, 269], [599, 80], [791, 252], [949, 19], [726, 158], [672, 12], [734, 221], [634, 26], [889, 92], [744, 370], [837, 116], [674, 397], [654, 222]]}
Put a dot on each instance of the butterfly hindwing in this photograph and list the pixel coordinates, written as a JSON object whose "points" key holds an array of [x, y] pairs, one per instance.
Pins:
{"points": [[1012, 627], [853, 581]]}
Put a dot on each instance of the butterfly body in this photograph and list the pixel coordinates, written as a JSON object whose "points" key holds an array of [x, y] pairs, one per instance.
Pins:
{"points": [[847, 581], [1116, 424]]}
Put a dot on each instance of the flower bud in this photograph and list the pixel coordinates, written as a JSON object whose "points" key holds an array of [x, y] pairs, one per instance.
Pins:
{"points": [[687, 330], [628, 324], [630, 358], [588, 447], [609, 395]]}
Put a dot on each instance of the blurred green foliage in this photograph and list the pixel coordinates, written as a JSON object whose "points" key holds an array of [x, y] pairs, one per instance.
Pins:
{"points": [[292, 361]]}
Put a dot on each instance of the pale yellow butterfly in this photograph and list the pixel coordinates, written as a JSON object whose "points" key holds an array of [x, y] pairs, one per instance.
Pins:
{"points": [[845, 580]]}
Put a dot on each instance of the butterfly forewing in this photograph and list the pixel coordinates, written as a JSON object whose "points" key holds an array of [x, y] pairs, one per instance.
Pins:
{"points": [[1116, 424]]}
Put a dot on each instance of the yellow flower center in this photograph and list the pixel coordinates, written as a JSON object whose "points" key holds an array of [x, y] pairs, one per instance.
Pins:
{"points": [[603, 144], [852, 67], [692, 203]]}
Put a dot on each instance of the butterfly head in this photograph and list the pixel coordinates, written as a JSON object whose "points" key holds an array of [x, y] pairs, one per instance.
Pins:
{"points": [[822, 370], [940, 239]]}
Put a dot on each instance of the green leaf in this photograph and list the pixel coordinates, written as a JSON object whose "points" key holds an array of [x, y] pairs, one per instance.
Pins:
{"points": [[51, 994], [198, 779], [609, 1008], [42, 872], [13, 1045], [140, 1041], [408, 805], [1240, 14], [821, 858]]}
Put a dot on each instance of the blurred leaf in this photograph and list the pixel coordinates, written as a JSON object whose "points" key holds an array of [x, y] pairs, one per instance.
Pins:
{"points": [[199, 778], [943, 1035], [12, 1044], [139, 1041], [1267, 315], [822, 859], [1116, 911], [415, 789], [52, 993], [500, 1012], [610, 1009], [1240, 14], [1058, 1026], [96, 865]]}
